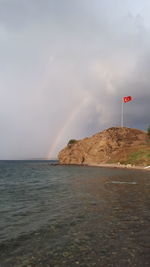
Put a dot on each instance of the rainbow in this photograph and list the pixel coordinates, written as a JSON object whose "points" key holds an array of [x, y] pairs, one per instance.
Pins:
{"points": [[67, 123]]}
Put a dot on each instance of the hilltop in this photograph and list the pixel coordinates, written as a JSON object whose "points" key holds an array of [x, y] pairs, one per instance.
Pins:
{"points": [[114, 145]]}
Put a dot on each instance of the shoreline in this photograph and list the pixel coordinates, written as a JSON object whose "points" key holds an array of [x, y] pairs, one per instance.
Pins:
{"points": [[120, 166], [110, 165]]}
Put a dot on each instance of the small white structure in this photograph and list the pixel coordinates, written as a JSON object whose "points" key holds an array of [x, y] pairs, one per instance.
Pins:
{"points": [[147, 167]]}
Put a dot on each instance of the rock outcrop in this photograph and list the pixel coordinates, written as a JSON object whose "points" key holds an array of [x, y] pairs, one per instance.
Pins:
{"points": [[112, 145]]}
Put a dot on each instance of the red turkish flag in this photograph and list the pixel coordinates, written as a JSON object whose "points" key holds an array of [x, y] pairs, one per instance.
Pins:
{"points": [[127, 99]]}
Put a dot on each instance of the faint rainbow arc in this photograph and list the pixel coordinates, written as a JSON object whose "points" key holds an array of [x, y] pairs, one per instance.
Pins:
{"points": [[61, 131], [73, 114]]}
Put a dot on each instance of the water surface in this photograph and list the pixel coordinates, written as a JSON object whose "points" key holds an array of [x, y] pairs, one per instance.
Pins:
{"points": [[73, 216]]}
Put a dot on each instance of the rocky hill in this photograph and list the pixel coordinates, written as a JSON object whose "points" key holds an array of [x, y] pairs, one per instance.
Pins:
{"points": [[116, 144]]}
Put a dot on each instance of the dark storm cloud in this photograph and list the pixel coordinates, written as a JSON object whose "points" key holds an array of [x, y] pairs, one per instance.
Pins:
{"points": [[65, 65]]}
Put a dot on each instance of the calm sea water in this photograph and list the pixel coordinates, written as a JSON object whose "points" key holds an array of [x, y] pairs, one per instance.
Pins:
{"points": [[73, 216]]}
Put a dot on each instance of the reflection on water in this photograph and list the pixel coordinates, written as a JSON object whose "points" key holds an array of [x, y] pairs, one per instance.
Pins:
{"points": [[102, 220], [121, 182]]}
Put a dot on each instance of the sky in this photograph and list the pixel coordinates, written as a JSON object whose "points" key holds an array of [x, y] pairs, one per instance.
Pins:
{"points": [[65, 66]]}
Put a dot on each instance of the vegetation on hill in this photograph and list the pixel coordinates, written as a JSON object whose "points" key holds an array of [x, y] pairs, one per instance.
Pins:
{"points": [[141, 156], [148, 131], [72, 141]]}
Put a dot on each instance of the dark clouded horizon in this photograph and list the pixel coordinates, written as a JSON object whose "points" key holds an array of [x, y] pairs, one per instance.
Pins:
{"points": [[64, 67]]}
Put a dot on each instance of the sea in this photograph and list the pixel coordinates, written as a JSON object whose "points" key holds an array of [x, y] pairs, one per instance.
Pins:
{"points": [[55, 215]]}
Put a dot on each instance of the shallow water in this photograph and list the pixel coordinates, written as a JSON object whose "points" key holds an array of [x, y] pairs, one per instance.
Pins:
{"points": [[73, 216]]}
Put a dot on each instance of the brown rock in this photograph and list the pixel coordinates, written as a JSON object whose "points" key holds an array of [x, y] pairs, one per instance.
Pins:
{"points": [[111, 145]]}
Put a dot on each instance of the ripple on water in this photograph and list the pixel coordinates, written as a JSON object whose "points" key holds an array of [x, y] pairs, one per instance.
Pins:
{"points": [[68, 216]]}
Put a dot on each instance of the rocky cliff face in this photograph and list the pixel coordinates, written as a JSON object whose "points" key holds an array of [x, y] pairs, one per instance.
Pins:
{"points": [[111, 145]]}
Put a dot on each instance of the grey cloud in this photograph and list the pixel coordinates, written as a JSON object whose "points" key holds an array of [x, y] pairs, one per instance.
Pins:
{"points": [[65, 65]]}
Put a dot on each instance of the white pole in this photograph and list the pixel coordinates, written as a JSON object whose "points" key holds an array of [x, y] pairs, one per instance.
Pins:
{"points": [[122, 114]]}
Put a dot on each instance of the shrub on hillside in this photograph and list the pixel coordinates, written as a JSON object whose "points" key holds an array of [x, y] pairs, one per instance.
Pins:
{"points": [[71, 142], [148, 131]]}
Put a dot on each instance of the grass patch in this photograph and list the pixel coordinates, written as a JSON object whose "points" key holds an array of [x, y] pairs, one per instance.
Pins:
{"points": [[139, 157], [112, 161]]}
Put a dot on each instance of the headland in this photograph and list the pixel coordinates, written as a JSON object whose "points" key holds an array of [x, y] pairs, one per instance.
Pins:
{"points": [[119, 147]]}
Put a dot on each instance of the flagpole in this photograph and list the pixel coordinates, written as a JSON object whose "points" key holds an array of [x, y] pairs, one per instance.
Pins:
{"points": [[122, 114]]}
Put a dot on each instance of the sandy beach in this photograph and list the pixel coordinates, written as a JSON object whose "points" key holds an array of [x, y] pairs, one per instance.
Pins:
{"points": [[112, 165], [122, 166]]}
